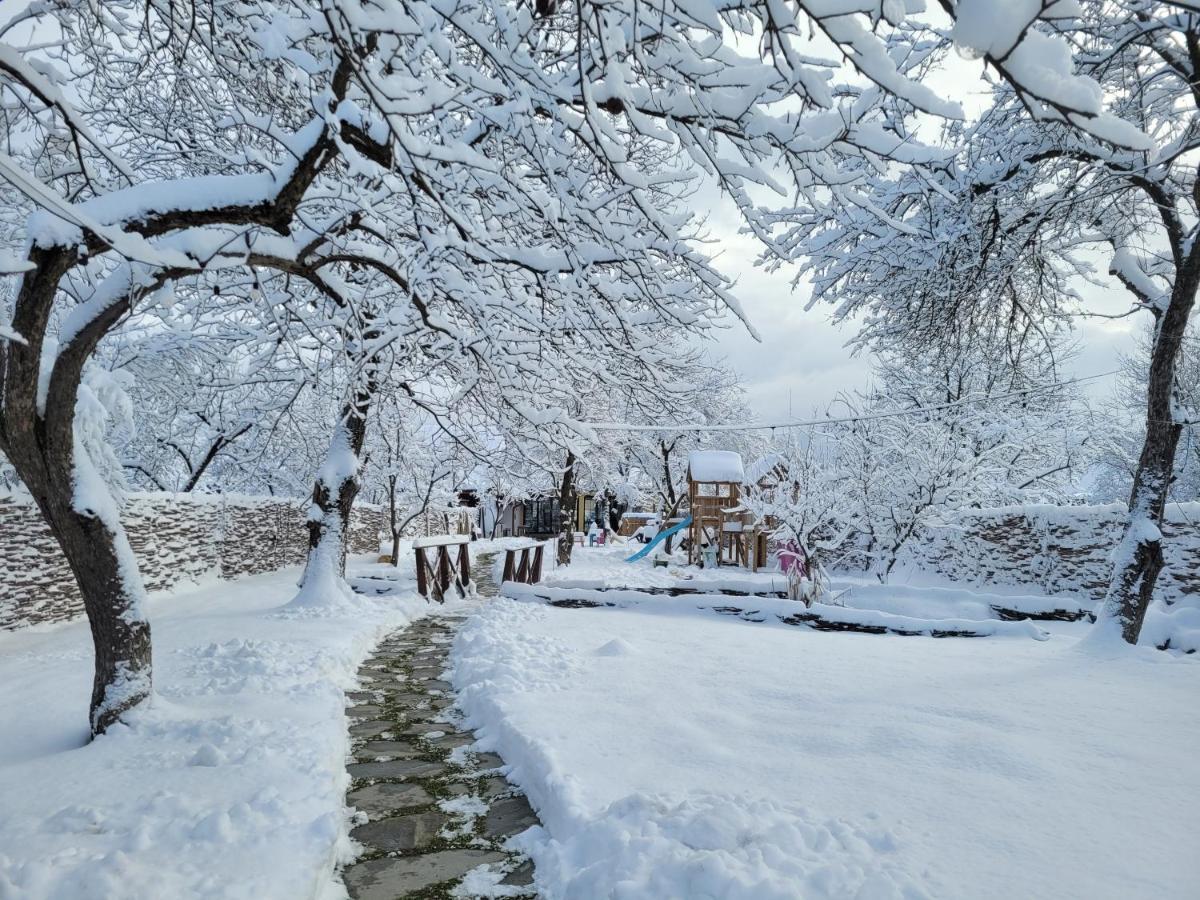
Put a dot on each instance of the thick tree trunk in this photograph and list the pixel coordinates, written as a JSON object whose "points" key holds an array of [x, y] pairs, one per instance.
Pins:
{"points": [[97, 550], [113, 595], [1139, 557], [566, 512], [40, 443]]}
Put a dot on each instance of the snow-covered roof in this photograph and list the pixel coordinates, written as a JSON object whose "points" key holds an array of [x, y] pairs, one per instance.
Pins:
{"points": [[716, 465]]}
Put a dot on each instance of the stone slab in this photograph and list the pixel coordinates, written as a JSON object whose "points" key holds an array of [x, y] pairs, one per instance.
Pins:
{"points": [[436, 684], [452, 740], [386, 797], [401, 833], [402, 697], [509, 816], [396, 768], [486, 788], [389, 878], [521, 876], [386, 749], [486, 761]]}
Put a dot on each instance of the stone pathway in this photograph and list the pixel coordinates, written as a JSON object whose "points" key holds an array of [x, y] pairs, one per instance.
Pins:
{"points": [[430, 809]]}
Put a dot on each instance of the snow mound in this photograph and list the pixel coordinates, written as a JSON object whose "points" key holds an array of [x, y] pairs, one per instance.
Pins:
{"points": [[510, 659], [1176, 627], [241, 664], [615, 647], [645, 846], [323, 591]]}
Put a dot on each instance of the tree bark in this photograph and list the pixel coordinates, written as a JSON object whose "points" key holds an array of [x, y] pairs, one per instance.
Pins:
{"points": [[40, 443], [1140, 554], [392, 520], [106, 572], [566, 512]]}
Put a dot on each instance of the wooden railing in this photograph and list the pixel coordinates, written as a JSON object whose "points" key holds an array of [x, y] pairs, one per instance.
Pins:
{"points": [[441, 562], [524, 564]]}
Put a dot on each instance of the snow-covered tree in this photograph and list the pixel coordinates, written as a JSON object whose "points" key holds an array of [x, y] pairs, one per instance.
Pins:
{"points": [[252, 140], [807, 501], [1004, 231], [930, 437]]}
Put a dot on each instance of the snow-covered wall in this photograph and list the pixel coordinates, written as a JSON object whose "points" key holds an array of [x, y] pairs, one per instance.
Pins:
{"points": [[176, 537], [1057, 548]]}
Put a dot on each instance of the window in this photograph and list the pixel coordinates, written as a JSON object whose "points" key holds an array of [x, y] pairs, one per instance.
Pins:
{"points": [[541, 516]]}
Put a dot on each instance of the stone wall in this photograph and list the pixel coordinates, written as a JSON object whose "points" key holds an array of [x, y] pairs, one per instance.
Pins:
{"points": [[1058, 549], [176, 538]]}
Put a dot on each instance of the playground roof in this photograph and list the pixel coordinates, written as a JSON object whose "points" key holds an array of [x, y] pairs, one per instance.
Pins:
{"points": [[716, 466]]}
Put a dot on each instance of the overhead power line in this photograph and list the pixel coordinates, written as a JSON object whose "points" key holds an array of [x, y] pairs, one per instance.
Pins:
{"points": [[833, 420]]}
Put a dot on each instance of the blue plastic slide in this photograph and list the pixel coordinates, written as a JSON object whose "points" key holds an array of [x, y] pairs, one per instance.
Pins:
{"points": [[659, 538]]}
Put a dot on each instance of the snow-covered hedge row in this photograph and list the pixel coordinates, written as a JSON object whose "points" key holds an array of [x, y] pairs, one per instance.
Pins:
{"points": [[177, 537]]}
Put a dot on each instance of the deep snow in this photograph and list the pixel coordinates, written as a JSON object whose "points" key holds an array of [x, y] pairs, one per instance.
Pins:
{"points": [[231, 784], [675, 753]]}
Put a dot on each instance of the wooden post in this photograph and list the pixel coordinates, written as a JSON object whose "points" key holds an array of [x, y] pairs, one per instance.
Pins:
{"points": [[522, 572], [464, 564], [535, 574], [443, 571], [422, 580], [508, 566]]}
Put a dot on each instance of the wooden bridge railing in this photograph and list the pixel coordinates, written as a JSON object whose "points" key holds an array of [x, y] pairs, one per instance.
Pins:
{"points": [[441, 562], [524, 564]]}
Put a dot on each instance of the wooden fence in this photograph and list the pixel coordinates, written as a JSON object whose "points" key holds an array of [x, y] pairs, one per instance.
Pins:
{"points": [[441, 562], [524, 564]]}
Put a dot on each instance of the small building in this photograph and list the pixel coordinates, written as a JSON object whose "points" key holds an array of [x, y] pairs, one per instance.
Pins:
{"points": [[538, 516]]}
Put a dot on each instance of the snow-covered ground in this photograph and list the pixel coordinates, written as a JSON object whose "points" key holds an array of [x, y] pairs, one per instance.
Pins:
{"points": [[674, 752], [231, 784]]}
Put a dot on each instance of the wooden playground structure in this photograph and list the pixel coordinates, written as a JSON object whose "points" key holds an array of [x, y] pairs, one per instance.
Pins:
{"points": [[723, 532]]}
